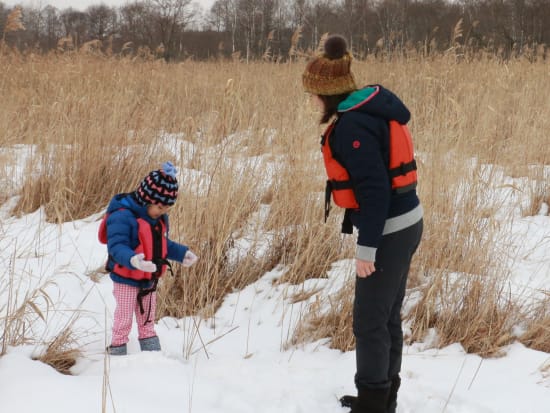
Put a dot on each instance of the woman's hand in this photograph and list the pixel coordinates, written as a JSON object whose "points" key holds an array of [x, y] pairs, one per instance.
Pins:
{"points": [[364, 268]]}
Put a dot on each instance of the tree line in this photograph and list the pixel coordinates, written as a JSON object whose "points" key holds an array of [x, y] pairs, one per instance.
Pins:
{"points": [[283, 29]]}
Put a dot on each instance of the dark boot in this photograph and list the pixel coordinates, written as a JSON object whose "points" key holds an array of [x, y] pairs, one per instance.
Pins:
{"points": [[371, 401], [392, 398], [117, 350], [149, 344], [347, 400]]}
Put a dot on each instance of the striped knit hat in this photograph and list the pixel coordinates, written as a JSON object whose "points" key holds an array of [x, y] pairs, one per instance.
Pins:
{"points": [[159, 187], [330, 73]]}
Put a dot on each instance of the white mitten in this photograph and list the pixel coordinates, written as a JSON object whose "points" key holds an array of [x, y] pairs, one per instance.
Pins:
{"points": [[189, 259], [146, 266]]}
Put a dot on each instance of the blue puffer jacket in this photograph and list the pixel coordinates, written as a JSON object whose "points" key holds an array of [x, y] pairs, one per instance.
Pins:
{"points": [[122, 227], [360, 143]]}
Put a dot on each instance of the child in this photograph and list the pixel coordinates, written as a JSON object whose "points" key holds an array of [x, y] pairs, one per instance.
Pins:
{"points": [[138, 247]]}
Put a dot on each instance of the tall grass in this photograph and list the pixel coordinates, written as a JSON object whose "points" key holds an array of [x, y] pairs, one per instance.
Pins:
{"points": [[26, 313], [247, 143]]}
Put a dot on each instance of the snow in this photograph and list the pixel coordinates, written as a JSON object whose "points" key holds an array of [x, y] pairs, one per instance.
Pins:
{"points": [[239, 360]]}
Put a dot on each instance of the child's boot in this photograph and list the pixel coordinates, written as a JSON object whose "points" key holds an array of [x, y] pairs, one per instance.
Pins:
{"points": [[150, 344], [117, 350]]}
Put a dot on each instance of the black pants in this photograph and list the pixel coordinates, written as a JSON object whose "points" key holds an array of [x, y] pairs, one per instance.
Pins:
{"points": [[377, 309]]}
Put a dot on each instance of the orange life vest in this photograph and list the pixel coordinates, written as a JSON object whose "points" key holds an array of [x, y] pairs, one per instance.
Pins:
{"points": [[402, 168], [145, 246]]}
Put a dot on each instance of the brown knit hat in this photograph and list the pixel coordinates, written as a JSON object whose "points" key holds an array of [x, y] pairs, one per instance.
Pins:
{"points": [[330, 74]]}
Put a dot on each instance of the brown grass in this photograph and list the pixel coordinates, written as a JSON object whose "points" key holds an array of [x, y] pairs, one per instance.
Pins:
{"points": [[537, 336], [22, 310], [21, 318], [62, 352], [248, 143], [329, 317]]}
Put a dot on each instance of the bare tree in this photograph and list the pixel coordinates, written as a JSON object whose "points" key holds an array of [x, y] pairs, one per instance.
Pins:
{"points": [[226, 12], [52, 27], [248, 19], [137, 26], [321, 17], [539, 16], [75, 24], [392, 18], [171, 18], [102, 21], [216, 17], [3, 16], [260, 28]]}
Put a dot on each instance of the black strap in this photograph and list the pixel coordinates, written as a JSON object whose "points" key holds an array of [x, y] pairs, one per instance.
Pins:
{"points": [[333, 185], [144, 292], [402, 169], [328, 193], [159, 262], [156, 232], [347, 226], [338, 185]]}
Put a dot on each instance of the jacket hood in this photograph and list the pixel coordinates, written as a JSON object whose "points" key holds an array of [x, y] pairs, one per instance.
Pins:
{"points": [[127, 201], [376, 101]]}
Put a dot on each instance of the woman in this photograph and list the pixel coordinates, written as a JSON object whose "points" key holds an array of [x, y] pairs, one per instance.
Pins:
{"points": [[378, 192]]}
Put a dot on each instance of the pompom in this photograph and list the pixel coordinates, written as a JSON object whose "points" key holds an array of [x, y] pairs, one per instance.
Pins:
{"points": [[169, 169], [335, 47]]}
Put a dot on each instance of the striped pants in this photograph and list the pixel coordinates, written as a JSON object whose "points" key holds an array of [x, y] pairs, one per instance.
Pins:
{"points": [[127, 305]]}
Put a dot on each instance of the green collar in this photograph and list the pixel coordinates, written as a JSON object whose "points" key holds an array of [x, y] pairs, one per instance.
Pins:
{"points": [[358, 98]]}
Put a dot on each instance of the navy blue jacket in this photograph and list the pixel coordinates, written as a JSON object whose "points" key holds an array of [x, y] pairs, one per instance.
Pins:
{"points": [[360, 143], [122, 227]]}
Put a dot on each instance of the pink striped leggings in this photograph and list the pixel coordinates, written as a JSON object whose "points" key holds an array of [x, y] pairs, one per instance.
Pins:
{"points": [[126, 305]]}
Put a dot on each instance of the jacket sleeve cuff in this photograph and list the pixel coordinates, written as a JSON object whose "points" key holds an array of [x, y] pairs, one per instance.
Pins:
{"points": [[176, 251], [365, 253]]}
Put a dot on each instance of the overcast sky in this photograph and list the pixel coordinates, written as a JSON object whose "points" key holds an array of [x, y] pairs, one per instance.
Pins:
{"points": [[83, 4]]}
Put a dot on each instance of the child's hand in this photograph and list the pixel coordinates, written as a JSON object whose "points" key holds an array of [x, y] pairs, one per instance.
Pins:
{"points": [[146, 266], [189, 259]]}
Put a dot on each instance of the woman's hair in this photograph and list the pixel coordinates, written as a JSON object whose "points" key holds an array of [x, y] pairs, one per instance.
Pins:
{"points": [[330, 105]]}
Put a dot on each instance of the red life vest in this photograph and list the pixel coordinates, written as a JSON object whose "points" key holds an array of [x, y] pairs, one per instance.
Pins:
{"points": [[402, 168], [145, 246]]}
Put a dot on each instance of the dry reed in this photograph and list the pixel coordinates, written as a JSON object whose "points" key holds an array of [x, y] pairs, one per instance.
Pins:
{"points": [[62, 352], [22, 311], [248, 142]]}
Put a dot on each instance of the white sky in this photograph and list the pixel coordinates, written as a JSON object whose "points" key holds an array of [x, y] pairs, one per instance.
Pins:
{"points": [[83, 4]]}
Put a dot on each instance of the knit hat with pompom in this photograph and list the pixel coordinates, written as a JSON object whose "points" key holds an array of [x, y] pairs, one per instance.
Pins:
{"points": [[330, 73], [159, 187]]}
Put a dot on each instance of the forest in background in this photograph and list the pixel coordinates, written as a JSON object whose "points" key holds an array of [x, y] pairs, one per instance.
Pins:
{"points": [[279, 30]]}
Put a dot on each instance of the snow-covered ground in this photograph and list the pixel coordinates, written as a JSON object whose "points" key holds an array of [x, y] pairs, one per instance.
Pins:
{"points": [[241, 367], [237, 362]]}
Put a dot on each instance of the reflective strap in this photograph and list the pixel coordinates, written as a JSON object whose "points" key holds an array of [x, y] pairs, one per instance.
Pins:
{"points": [[404, 189]]}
